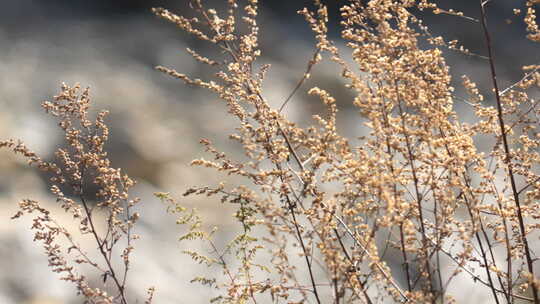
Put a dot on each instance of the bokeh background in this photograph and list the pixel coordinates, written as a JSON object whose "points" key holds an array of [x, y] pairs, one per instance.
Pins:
{"points": [[156, 122]]}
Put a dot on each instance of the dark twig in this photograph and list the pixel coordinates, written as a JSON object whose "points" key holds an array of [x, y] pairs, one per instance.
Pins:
{"points": [[508, 156]]}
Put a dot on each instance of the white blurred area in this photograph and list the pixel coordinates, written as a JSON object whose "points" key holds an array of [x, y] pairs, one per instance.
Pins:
{"points": [[155, 123]]}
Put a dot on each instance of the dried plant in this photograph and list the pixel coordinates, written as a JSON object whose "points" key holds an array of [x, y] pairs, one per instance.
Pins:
{"points": [[322, 217], [416, 187], [107, 221]]}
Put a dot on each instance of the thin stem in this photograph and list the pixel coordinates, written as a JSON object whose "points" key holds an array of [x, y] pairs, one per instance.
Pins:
{"points": [[508, 157], [347, 255], [306, 75], [102, 251], [419, 198], [306, 256], [100, 243]]}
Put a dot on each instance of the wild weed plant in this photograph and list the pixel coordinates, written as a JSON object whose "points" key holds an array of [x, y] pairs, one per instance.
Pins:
{"points": [[320, 214]]}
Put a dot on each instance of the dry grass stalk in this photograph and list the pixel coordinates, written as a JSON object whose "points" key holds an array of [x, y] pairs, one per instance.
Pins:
{"points": [[108, 221], [418, 182]]}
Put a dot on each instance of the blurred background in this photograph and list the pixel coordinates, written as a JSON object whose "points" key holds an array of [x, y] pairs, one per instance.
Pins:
{"points": [[156, 121]]}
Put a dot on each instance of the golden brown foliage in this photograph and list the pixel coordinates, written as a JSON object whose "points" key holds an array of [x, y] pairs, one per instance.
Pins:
{"points": [[416, 187], [108, 221], [321, 216]]}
